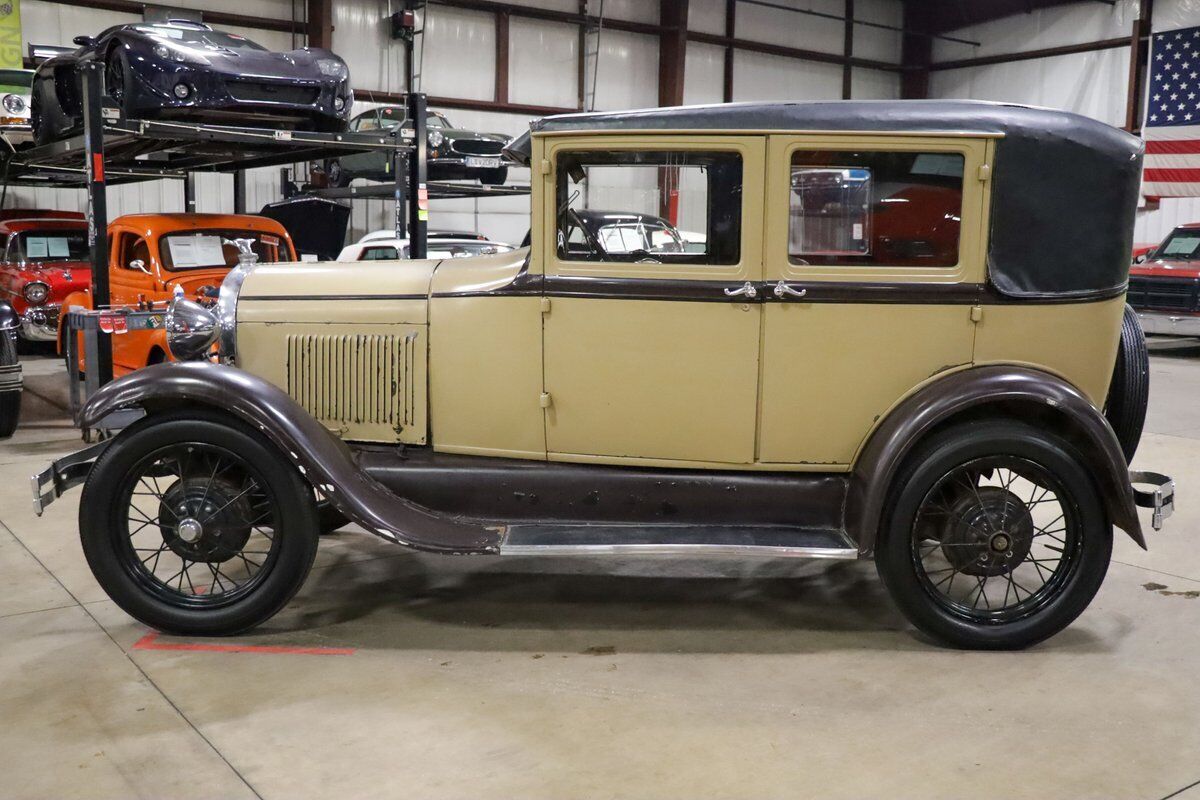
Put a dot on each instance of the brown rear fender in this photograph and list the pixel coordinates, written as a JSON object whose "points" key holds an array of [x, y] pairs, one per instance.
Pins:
{"points": [[987, 393], [324, 459]]}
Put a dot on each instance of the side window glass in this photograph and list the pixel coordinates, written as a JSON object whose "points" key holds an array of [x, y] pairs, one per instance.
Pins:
{"points": [[379, 254], [137, 256], [650, 206], [875, 208]]}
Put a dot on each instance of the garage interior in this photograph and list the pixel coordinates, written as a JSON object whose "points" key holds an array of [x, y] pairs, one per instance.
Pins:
{"points": [[395, 672]]}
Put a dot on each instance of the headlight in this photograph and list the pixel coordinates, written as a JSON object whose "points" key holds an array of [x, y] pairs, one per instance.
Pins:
{"points": [[435, 138], [168, 53], [13, 103], [36, 292], [332, 67], [191, 329], [227, 300]]}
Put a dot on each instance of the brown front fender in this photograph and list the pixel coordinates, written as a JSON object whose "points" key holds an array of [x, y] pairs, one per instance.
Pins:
{"points": [[988, 392], [324, 459]]}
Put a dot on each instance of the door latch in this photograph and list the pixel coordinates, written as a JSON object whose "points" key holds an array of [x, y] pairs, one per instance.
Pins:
{"points": [[746, 289], [782, 290]]}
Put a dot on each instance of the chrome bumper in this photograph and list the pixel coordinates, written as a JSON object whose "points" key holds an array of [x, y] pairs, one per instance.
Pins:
{"points": [[1163, 323], [40, 324], [1158, 494], [54, 481]]}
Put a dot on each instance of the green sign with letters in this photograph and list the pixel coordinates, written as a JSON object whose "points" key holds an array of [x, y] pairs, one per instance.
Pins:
{"points": [[11, 55]]}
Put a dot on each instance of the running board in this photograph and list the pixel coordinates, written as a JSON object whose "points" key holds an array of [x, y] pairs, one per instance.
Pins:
{"points": [[678, 540]]}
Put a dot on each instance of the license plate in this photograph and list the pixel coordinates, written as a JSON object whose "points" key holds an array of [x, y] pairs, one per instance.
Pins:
{"points": [[482, 163]]}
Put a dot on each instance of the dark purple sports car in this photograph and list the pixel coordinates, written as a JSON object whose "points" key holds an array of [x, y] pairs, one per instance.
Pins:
{"points": [[186, 70]]}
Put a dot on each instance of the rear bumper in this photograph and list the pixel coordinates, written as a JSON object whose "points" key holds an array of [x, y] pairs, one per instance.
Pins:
{"points": [[63, 474], [1165, 323]]}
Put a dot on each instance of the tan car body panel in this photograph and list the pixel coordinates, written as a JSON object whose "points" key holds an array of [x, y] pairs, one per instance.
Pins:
{"points": [[772, 386]]}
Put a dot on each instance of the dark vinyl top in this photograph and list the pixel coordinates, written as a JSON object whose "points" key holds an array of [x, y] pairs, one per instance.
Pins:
{"points": [[1065, 186]]}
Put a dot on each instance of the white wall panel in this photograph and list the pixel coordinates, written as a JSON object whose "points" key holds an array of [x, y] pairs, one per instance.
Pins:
{"points": [[362, 37], [877, 43], [874, 84], [543, 63], [635, 10], [757, 76], [569, 6], [707, 16], [776, 26], [460, 54], [1048, 27], [704, 74], [628, 71]]}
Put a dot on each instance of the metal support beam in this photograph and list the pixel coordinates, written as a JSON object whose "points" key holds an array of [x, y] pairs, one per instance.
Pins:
{"points": [[189, 193], [916, 54], [91, 74], [320, 23], [848, 52], [672, 51], [239, 192], [790, 52], [418, 191], [730, 32], [502, 51], [1139, 56], [1026, 55], [400, 176]]}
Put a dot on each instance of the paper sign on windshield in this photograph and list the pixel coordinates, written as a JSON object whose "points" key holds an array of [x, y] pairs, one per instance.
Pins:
{"points": [[196, 251], [58, 247], [35, 247]]}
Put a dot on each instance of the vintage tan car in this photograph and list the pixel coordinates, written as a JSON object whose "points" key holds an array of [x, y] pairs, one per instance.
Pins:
{"points": [[899, 338]]}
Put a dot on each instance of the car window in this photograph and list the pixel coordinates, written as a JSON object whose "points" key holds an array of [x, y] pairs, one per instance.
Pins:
{"points": [[875, 208], [1182, 245], [39, 247], [381, 253], [209, 249], [200, 37], [628, 206]]}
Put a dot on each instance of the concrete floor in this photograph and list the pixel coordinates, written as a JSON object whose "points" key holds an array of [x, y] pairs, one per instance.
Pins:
{"points": [[399, 674]]}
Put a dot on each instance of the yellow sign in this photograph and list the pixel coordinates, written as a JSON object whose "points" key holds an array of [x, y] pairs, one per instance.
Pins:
{"points": [[11, 52]]}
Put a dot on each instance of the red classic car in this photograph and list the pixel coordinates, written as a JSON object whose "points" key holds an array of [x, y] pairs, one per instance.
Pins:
{"points": [[44, 258], [1164, 284]]}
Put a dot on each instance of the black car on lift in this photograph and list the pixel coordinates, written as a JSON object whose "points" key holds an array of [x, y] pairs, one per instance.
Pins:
{"points": [[185, 70]]}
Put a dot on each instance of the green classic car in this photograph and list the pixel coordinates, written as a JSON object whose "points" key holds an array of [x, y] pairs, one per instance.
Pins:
{"points": [[454, 153]]}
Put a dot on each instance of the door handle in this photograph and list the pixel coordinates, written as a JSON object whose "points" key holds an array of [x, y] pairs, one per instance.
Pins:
{"points": [[746, 289], [782, 290]]}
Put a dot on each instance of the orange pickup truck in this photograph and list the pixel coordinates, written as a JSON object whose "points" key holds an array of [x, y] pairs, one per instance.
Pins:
{"points": [[151, 254]]}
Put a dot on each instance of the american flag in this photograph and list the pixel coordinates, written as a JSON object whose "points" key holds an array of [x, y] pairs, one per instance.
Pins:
{"points": [[1172, 128]]}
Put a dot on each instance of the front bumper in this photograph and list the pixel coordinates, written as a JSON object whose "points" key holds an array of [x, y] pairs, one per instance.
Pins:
{"points": [[63, 474], [1164, 323], [40, 324]]}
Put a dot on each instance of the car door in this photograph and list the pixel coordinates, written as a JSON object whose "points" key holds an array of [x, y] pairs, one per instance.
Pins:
{"points": [[874, 267], [652, 353], [128, 286]]}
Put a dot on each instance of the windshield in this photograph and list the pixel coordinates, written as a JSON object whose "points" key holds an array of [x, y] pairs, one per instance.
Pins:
{"points": [[1181, 245], [389, 117], [44, 247], [16, 81], [213, 249], [198, 37], [630, 237]]}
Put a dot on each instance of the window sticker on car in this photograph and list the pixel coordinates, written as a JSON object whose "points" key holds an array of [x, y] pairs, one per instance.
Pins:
{"points": [[36, 247], [1182, 246], [58, 247], [196, 251]]}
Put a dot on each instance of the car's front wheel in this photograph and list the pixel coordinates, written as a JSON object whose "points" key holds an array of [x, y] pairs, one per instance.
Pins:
{"points": [[338, 177], [995, 538], [196, 525]]}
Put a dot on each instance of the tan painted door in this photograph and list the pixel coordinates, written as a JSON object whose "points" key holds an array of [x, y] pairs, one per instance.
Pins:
{"points": [[647, 355], [882, 237]]}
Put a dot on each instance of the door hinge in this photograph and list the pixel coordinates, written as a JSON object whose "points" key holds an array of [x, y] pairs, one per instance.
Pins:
{"points": [[985, 172], [976, 313], [547, 168], [545, 305], [544, 400]]}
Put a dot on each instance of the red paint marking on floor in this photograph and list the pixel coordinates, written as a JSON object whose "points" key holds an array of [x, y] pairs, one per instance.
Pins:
{"points": [[150, 642]]}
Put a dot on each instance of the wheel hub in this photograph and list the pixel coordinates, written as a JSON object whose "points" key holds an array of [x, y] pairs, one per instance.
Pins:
{"points": [[988, 532], [211, 519]]}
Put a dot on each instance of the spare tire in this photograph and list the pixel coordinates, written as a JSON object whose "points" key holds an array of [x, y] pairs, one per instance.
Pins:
{"points": [[1129, 392]]}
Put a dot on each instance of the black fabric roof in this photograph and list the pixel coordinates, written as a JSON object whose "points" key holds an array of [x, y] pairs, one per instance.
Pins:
{"points": [[1065, 186]]}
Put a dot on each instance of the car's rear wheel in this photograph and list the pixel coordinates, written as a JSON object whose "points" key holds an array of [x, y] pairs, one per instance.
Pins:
{"points": [[10, 401], [338, 177], [996, 537], [118, 80], [196, 525], [1129, 392]]}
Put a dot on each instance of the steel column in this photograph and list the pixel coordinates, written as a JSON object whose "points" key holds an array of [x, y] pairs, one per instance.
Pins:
{"points": [[848, 51], [239, 192], [418, 190], [91, 76], [1139, 55], [189, 193]]}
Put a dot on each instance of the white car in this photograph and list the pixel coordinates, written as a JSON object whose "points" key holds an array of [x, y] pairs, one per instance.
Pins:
{"points": [[14, 106], [384, 246]]}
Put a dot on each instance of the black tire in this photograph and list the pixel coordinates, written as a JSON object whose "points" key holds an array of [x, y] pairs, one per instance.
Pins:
{"points": [[493, 177], [135, 461], [338, 177], [118, 80], [1129, 392], [42, 134], [921, 496], [10, 402]]}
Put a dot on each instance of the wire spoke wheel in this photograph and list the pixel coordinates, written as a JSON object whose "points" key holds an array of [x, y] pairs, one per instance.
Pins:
{"points": [[199, 527], [995, 539]]}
